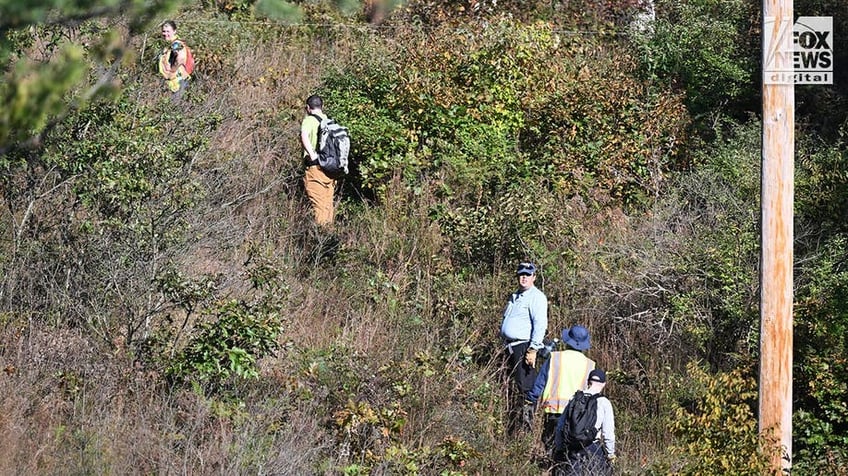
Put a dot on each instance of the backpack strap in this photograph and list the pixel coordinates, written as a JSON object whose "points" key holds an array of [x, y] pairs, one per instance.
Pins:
{"points": [[317, 140], [318, 137]]}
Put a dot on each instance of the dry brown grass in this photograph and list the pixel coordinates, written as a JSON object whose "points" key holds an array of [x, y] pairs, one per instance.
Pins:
{"points": [[373, 311], [68, 407]]}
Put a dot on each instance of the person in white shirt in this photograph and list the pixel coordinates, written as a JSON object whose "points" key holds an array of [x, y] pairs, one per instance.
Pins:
{"points": [[597, 457]]}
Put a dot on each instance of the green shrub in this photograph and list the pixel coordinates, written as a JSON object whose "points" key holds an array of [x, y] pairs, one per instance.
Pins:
{"points": [[716, 300], [708, 48], [228, 346], [821, 370], [526, 220], [476, 110], [717, 428]]}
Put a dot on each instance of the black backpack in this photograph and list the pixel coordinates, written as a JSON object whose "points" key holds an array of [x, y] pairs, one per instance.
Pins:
{"points": [[333, 147], [580, 416]]}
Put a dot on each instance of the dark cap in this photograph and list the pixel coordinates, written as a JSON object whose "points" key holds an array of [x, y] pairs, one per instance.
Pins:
{"points": [[526, 268], [598, 375]]}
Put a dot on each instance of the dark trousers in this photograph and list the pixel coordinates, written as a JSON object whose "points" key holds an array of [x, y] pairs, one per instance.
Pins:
{"points": [[523, 377], [522, 374], [591, 461], [549, 433]]}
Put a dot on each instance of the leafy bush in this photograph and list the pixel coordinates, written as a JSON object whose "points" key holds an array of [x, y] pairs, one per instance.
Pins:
{"points": [[821, 373], [107, 198], [821, 293], [717, 428], [600, 128], [526, 221], [821, 186], [228, 346], [716, 301], [707, 48], [478, 109]]}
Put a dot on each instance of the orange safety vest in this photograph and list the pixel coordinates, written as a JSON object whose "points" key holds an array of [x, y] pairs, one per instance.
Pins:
{"points": [[568, 373]]}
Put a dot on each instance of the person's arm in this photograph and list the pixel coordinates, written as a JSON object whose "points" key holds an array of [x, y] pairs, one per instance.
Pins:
{"points": [[305, 140], [540, 382], [607, 428], [538, 319]]}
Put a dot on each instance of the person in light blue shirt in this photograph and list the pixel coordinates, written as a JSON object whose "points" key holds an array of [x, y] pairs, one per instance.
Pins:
{"points": [[525, 321]]}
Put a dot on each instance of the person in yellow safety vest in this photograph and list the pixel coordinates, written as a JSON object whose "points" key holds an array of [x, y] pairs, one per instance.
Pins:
{"points": [[172, 60], [564, 373]]}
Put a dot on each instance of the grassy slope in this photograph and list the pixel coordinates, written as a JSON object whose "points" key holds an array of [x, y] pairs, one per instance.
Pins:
{"points": [[388, 356]]}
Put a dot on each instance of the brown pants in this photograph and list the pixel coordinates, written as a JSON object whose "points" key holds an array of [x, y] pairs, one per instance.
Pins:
{"points": [[320, 189]]}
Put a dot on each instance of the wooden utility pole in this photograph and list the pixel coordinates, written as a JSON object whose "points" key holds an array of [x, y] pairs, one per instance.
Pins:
{"points": [[777, 195]]}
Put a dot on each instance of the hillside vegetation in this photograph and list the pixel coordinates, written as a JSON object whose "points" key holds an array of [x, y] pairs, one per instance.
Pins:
{"points": [[168, 307]]}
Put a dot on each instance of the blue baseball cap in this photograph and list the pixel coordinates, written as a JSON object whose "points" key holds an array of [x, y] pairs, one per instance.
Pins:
{"points": [[526, 268]]}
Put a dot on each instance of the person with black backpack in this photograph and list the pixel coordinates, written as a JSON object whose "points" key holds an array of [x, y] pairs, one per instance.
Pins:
{"points": [[585, 434]]}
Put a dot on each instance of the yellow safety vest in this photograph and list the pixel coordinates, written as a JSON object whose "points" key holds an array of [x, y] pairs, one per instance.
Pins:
{"points": [[567, 374]]}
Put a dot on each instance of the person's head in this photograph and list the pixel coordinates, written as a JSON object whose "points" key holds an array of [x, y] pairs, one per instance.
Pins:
{"points": [[169, 30], [576, 337], [314, 102], [597, 379], [526, 273]]}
